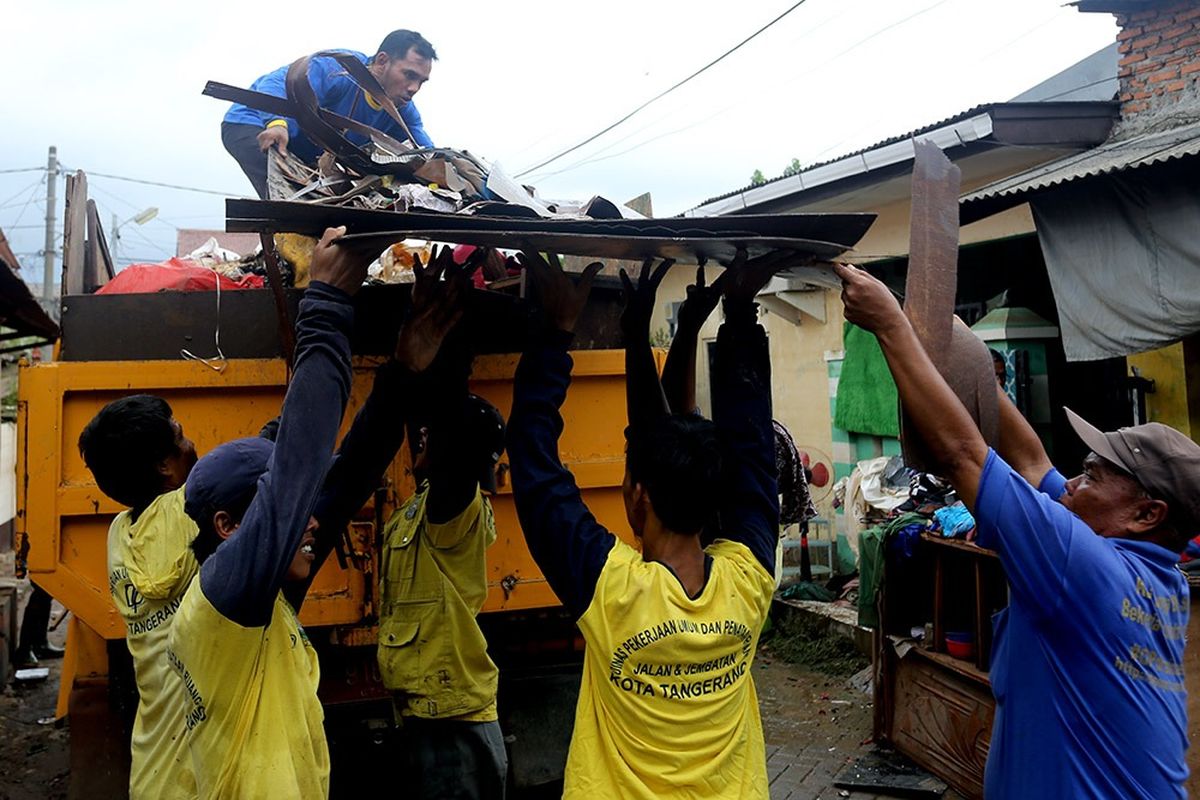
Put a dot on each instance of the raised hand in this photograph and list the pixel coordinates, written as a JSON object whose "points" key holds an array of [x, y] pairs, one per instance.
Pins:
{"points": [[747, 277], [562, 299], [700, 301], [438, 303], [868, 302], [343, 266], [639, 300]]}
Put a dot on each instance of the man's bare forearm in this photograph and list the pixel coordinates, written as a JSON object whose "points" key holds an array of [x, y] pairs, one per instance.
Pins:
{"points": [[1019, 444]]}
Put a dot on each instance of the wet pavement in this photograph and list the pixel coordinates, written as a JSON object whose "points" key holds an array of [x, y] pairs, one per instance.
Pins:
{"points": [[814, 725]]}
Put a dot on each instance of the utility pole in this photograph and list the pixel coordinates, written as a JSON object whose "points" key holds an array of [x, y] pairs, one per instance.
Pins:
{"points": [[48, 249]]}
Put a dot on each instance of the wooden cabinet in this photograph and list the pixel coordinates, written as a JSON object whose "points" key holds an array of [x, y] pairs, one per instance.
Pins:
{"points": [[932, 707]]}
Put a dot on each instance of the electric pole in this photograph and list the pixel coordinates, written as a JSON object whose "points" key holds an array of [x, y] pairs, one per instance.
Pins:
{"points": [[48, 249]]}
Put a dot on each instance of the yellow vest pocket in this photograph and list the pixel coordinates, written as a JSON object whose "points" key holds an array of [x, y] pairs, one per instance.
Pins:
{"points": [[400, 655]]}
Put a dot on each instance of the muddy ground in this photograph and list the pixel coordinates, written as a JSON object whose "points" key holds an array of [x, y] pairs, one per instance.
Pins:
{"points": [[814, 723], [33, 748]]}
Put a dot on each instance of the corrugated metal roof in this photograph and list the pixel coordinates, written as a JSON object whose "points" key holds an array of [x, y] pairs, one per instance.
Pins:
{"points": [[1112, 156], [19, 309], [1114, 6], [891, 140]]}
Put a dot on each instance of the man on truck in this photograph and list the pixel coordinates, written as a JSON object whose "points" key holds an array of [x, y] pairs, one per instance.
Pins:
{"points": [[140, 457], [667, 706], [1087, 666], [402, 64]]}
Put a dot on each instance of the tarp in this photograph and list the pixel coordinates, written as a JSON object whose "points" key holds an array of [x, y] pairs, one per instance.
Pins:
{"points": [[173, 275], [1123, 254]]}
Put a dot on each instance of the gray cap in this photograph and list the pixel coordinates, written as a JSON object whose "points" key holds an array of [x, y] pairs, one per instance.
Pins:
{"points": [[1164, 461]]}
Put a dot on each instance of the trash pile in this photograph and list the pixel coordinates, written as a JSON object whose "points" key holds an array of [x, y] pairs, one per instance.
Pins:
{"points": [[386, 191], [888, 508]]}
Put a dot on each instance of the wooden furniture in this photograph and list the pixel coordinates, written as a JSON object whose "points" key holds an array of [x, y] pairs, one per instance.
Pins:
{"points": [[934, 708]]}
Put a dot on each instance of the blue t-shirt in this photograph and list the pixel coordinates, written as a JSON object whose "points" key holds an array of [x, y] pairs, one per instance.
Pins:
{"points": [[337, 92], [1087, 667]]}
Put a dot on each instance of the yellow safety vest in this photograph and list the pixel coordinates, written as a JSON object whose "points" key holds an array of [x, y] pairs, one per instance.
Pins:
{"points": [[432, 655], [667, 707], [254, 723], [150, 564]]}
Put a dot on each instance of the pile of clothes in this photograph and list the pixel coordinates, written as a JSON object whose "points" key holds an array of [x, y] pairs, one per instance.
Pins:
{"points": [[890, 520]]}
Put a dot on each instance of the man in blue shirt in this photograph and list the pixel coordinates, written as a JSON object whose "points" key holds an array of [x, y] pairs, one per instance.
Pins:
{"points": [[401, 65], [1087, 667]]}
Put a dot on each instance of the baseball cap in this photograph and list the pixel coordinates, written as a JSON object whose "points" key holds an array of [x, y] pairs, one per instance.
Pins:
{"points": [[225, 476], [1164, 461], [484, 428]]}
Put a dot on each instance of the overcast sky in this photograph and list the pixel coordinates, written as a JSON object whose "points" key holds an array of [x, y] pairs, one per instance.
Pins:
{"points": [[116, 86]]}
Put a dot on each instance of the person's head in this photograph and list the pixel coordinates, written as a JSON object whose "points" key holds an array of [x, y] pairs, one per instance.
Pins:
{"points": [[482, 437], [999, 367], [1137, 483], [402, 64], [136, 450], [220, 490], [672, 475]]}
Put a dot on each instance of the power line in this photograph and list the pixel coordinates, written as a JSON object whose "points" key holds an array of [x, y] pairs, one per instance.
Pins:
{"points": [[25, 207], [596, 157], [23, 169], [824, 63], [9, 202], [664, 93], [160, 183]]}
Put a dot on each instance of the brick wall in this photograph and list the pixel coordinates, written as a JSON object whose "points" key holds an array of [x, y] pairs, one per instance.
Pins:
{"points": [[1159, 60]]}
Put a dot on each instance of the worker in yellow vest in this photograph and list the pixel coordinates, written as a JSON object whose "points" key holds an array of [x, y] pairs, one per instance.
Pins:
{"points": [[432, 655], [667, 707], [254, 722], [140, 457]]}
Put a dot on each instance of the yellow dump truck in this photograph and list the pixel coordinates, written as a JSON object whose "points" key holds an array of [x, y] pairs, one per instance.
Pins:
{"points": [[113, 345]]}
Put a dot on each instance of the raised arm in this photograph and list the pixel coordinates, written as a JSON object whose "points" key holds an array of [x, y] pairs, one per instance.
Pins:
{"points": [[453, 477], [243, 576], [741, 386], [644, 399], [1019, 444], [377, 432], [679, 373], [564, 538], [938, 416]]}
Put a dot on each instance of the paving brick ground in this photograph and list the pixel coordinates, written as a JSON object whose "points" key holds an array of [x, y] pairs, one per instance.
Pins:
{"points": [[814, 725]]}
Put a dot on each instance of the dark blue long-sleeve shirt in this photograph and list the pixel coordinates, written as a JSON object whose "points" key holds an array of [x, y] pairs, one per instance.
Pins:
{"points": [[243, 576], [741, 395], [565, 539]]}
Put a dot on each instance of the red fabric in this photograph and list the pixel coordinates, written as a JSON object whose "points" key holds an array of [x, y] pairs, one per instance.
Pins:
{"points": [[173, 275]]}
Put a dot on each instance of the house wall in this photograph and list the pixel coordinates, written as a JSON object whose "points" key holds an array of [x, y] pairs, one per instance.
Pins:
{"points": [[1175, 371], [1159, 62]]}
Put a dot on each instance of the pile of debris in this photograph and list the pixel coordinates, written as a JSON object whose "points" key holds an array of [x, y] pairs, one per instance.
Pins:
{"points": [[388, 191]]}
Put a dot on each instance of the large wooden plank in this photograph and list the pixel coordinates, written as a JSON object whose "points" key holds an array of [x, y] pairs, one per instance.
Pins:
{"points": [[74, 234]]}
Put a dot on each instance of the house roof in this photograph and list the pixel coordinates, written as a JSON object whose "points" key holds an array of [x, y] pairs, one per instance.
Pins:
{"points": [[1057, 124], [1110, 157], [970, 112], [1114, 6], [19, 310]]}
